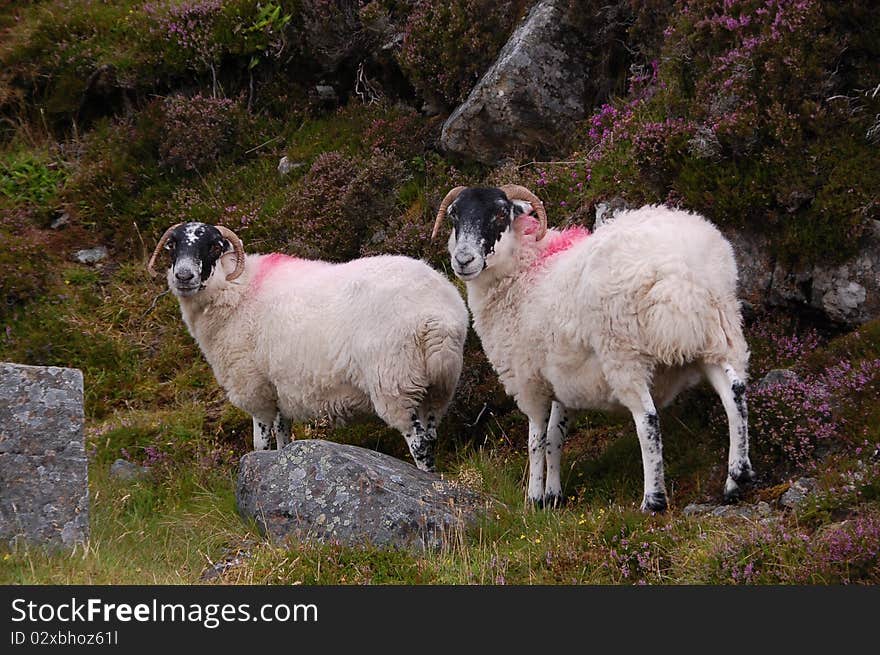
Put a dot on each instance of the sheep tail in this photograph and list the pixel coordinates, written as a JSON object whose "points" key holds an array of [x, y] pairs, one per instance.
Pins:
{"points": [[681, 321]]}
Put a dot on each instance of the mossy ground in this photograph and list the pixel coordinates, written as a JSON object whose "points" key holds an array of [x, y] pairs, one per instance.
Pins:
{"points": [[114, 129]]}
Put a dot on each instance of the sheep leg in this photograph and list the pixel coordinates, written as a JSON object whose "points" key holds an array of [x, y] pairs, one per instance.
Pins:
{"points": [[641, 405], [651, 444], [281, 428], [732, 391], [262, 434], [538, 415], [421, 444], [537, 450], [556, 433]]}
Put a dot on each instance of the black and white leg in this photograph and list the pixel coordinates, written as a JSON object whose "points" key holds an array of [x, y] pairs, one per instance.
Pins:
{"points": [[557, 430], [421, 444], [648, 429], [732, 391], [538, 413], [262, 434], [282, 428]]}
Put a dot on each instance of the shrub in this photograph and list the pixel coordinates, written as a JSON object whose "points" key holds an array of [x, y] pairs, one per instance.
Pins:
{"points": [[751, 119], [447, 46], [197, 131], [840, 553], [341, 204], [26, 180]]}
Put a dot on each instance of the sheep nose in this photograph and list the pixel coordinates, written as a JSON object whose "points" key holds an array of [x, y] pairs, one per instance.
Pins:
{"points": [[463, 259], [184, 275]]}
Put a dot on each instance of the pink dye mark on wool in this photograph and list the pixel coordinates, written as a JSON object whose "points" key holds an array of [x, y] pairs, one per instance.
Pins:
{"points": [[529, 224], [558, 242], [269, 264]]}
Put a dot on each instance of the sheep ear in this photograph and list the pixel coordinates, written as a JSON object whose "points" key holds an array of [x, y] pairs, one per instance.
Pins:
{"points": [[520, 207], [227, 246]]}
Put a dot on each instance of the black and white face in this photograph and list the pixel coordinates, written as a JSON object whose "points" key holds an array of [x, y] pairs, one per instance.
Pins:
{"points": [[482, 227], [195, 249]]}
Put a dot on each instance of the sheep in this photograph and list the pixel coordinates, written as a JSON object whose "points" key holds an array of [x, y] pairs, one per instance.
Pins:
{"points": [[623, 318], [292, 339]]}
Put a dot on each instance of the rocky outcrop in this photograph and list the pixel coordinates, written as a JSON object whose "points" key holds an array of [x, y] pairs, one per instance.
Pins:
{"points": [[328, 492], [846, 294], [529, 97], [43, 467]]}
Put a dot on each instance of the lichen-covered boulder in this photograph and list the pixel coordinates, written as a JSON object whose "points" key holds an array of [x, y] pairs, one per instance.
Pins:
{"points": [[44, 498], [531, 95], [329, 492]]}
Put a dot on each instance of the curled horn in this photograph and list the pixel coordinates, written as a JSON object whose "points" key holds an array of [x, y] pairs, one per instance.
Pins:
{"points": [[230, 236], [516, 192], [441, 212], [151, 266]]}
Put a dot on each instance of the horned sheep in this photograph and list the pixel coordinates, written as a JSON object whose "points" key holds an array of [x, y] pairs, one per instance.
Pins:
{"points": [[623, 318], [292, 339]]}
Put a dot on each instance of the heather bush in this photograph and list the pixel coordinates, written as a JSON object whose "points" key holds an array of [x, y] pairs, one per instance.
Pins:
{"points": [[779, 341], [758, 115], [117, 163], [198, 130], [341, 203], [191, 27], [798, 420], [838, 553], [447, 46]]}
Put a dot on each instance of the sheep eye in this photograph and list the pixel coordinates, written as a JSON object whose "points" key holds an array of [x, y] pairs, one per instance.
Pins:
{"points": [[216, 249], [171, 245]]}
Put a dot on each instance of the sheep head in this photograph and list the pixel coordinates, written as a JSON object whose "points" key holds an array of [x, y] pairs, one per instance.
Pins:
{"points": [[195, 249], [482, 219]]}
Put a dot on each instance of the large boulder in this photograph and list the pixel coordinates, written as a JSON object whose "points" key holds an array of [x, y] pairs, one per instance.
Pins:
{"points": [[44, 497], [530, 96], [329, 492]]}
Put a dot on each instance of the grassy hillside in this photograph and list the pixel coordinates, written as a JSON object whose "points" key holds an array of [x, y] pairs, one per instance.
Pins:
{"points": [[119, 119]]}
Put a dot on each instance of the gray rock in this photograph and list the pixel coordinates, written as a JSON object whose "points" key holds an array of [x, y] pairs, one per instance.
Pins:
{"points": [[847, 294], [285, 165], [743, 511], [696, 509], [530, 96], [91, 255], [777, 376], [798, 492], [44, 498], [326, 93], [60, 222], [127, 471], [755, 266], [315, 490]]}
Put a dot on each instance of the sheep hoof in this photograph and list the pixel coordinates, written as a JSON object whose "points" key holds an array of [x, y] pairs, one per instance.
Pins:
{"points": [[736, 480], [537, 503], [732, 495], [553, 501], [743, 475], [654, 503]]}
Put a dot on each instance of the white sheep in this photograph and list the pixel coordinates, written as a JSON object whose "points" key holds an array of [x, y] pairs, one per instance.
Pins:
{"points": [[292, 339], [626, 317]]}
